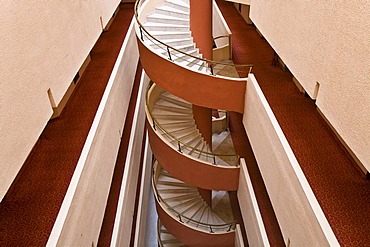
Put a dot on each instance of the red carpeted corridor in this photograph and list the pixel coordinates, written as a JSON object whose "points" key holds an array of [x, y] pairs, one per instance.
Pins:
{"points": [[339, 186], [28, 211]]}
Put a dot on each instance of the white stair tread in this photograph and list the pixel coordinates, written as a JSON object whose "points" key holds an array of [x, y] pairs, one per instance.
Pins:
{"points": [[178, 2], [166, 17], [154, 33], [170, 41], [186, 200], [171, 9], [164, 25], [165, 101]]}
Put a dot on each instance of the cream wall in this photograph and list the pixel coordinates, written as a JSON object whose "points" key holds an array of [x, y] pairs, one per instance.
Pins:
{"points": [[81, 215], [254, 227], [300, 216], [42, 46], [326, 42]]}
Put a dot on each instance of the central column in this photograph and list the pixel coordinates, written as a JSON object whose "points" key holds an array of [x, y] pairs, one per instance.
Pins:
{"points": [[201, 28]]}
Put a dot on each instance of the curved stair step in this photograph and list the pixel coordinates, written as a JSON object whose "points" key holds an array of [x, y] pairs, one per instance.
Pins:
{"points": [[186, 204], [169, 107], [175, 100], [160, 35], [161, 18], [170, 42], [175, 123], [171, 11], [178, 4], [155, 26], [167, 239]]}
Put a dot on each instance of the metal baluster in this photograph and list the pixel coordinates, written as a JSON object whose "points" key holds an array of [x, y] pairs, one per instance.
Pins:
{"points": [[229, 228], [169, 53], [178, 144], [211, 229], [141, 33], [180, 218]]}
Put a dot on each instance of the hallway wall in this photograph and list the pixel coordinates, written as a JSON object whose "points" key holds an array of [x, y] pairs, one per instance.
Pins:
{"points": [[326, 42], [43, 45], [297, 210]]}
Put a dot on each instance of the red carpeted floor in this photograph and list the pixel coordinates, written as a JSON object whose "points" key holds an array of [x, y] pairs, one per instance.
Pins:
{"points": [[28, 212], [339, 186]]}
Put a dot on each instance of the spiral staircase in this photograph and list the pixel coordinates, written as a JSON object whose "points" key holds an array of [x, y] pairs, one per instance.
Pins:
{"points": [[184, 162]]}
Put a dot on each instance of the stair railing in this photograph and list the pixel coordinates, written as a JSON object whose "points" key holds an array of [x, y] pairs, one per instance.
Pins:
{"points": [[181, 145], [159, 240], [178, 55], [211, 228]]}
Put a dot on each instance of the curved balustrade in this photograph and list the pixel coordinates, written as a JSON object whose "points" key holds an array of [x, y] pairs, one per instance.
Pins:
{"points": [[182, 72], [188, 230], [201, 226], [200, 88], [192, 170], [171, 51], [152, 95]]}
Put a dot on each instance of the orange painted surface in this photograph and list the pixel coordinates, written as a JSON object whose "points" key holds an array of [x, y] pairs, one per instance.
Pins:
{"points": [[192, 171], [197, 88], [201, 26], [194, 238], [203, 120]]}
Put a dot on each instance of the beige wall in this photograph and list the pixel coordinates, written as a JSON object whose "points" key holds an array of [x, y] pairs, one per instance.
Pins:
{"points": [[300, 217], [80, 217], [121, 235], [326, 42], [42, 46], [254, 227]]}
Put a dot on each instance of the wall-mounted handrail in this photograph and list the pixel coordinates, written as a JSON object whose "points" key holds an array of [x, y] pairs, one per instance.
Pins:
{"points": [[212, 228], [156, 125], [211, 63]]}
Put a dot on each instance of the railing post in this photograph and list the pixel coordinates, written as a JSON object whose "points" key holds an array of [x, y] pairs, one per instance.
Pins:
{"points": [[180, 218], [214, 159], [141, 33], [211, 229], [154, 125], [229, 228], [169, 53], [211, 67], [178, 144]]}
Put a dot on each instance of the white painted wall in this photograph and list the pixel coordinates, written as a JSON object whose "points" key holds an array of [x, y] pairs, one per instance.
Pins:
{"points": [[43, 44], [299, 215], [126, 204], [254, 227], [219, 26], [79, 220], [239, 242], [326, 42], [143, 212]]}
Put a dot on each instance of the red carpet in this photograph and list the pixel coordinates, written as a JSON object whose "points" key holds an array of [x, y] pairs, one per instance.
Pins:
{"points": [[340, 188], [28, 212]]}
